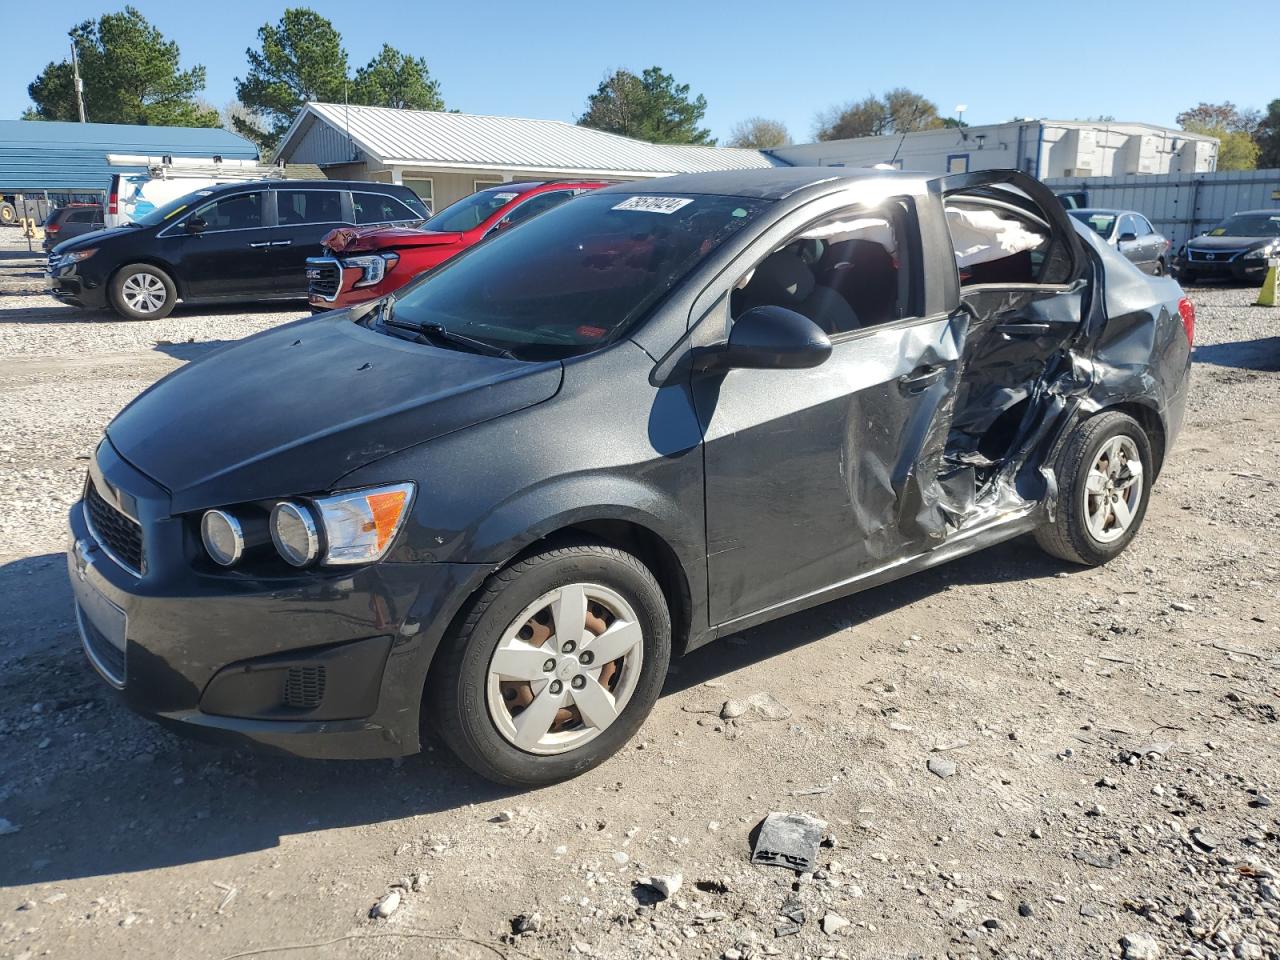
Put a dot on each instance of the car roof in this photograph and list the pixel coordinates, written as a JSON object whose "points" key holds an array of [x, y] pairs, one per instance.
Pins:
{"points": [[1110, 211], [774, 183], [1266, 212], [306, 185]]}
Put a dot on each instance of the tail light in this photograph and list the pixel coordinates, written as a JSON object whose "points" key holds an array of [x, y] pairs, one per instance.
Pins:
{"points": [[52, 228], [1187, 310], [113, 201]]}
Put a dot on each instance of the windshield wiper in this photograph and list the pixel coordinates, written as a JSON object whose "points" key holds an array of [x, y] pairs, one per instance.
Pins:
{"points": [[429, 332]]}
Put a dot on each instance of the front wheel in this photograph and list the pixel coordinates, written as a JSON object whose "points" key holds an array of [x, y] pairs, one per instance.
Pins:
{"points": [[1104, 475], [559, 660], [142, 292]]}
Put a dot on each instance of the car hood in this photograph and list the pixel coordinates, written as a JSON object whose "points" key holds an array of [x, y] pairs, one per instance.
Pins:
{"points": [[1227, 243], [348, 240], [83, 241], [293, 410]]}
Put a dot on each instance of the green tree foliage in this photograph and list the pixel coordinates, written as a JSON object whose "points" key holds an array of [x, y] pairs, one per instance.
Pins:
{"points": [[897, 111], [650, 107], [759, 133], [1236, 149], [131, 74], [1219, 116], [1267, 137], [301, 58], [395, 79]]}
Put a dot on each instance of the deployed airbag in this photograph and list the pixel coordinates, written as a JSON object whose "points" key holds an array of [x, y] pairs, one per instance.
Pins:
{"points": [[981, 236]]}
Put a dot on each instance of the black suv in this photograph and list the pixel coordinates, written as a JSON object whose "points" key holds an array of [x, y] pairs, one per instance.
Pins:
{"points": [[237, 241]]}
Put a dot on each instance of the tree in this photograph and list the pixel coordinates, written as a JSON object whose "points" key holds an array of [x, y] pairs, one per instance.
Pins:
{"points": [[759, 133], [131, 74], [1236, 149], [898, 111], [1220, 116], [301, 58], [650, 107], [395, 79], [1267, 137]]}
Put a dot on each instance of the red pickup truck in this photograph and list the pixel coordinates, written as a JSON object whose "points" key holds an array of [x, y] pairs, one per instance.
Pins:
{"points": [[364, 263]]}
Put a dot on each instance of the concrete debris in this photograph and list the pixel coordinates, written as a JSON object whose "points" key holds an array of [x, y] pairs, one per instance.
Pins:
{"points": [[833, 923], [1139, 946], [941, 766], [789, 840], [385, 907], [666, 886]]}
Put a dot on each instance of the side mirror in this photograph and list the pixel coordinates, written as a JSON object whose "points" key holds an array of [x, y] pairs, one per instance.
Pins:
{"points": [[769, 338], [1126, 237], [195, 224]]}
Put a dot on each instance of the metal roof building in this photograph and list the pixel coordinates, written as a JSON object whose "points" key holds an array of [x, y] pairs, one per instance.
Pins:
{"points": [[39, 155], [445, 156]]}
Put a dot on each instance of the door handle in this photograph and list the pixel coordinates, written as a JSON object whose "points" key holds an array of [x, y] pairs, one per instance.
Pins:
{"points": [[1024, 329], [264, 243], [281, 243], [920, 379]]}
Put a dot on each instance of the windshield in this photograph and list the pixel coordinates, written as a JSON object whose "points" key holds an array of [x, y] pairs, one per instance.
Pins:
{"points": [[1249, 225], [576, 277], [470, 211], [1099, 223], [171, 209]]}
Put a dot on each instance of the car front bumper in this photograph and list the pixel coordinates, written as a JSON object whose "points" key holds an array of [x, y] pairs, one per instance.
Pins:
{"points": [[67, 283], [1238, 269], [320, 664]]}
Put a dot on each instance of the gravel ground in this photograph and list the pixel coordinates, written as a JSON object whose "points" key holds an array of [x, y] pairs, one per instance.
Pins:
{"points": [[1014, 758]]}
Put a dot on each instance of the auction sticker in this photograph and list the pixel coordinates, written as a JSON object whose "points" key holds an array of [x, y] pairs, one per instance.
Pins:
{"points": [[654, 204]]}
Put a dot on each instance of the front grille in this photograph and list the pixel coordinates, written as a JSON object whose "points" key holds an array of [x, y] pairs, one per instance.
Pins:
{"points": [[1212, 256], [103, 654], [119, 534], [304, 687], [324, 277]]}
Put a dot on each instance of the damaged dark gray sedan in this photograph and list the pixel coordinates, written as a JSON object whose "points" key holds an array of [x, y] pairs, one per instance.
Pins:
{"points": [[492, 508]]}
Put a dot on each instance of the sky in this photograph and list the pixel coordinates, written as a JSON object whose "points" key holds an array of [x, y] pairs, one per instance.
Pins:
{"points": [[783, 60]]}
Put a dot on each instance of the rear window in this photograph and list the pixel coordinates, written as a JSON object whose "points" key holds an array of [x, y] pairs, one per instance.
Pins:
{"points": [[579, 275], [378, 208], [1099, 223]]}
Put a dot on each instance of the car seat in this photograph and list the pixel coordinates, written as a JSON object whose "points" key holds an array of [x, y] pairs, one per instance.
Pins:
{"points": [[864, 274], [783, 279]]}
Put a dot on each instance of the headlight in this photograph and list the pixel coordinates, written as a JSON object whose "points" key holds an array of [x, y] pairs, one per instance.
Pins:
{"points": [[223, 537], [374, 267], [1262, 253], [295, 533], [75, 256], [354, 527], [359, 525]]}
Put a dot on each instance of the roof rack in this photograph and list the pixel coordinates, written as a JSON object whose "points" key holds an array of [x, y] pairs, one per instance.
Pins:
{"points": [[167, 167]]}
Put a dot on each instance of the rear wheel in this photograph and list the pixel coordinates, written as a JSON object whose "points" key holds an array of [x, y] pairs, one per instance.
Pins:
{"points": [[1159, 270], [558, 662], [1104, 474], [142, 292], [8, 213]]}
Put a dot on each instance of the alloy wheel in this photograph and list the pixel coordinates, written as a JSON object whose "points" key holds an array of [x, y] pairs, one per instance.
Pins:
{"points": [[565, 668], [143, 292], [1113, 489]]}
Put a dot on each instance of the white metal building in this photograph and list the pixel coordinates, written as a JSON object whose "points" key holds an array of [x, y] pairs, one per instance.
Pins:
{"points": [[445, 156], [1043, 148]]}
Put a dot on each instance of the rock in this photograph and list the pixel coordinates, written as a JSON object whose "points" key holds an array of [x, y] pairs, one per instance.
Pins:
{"points": [[941, 766], [1097, 810], [1203, 839], [733, 709], [1090, 909], [733, 953], [1182, 607], [503, 816], [1138, 946], [991, 923], [526, 923], [666, 886], [1024, 910], [620, 858], [386, 906], [788, 929], [765, 707], [833, 923]]}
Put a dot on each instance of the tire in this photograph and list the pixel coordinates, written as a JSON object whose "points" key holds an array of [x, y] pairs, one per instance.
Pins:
{"points": [[476, 709], [8, 213], [1159, 270], [1076, 533], [139, 285]]}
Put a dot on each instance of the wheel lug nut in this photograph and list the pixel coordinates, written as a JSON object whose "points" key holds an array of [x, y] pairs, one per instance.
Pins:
{"points": [[568, 646], [556, 686], [579, 682], [586, 657], [549, 665]]}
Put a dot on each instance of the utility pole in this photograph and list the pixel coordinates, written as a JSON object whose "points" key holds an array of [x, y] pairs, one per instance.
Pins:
{"points": [[75, 72]]}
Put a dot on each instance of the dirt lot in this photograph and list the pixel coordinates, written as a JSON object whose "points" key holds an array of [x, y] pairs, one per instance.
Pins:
{"points": [[1110, 736]]}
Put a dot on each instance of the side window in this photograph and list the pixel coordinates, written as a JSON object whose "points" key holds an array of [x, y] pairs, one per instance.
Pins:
{"points": [[536, 205], [848, 271], [376, 208], [1002, 237], [295, 207], [243, 211], [1144, 227]]}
